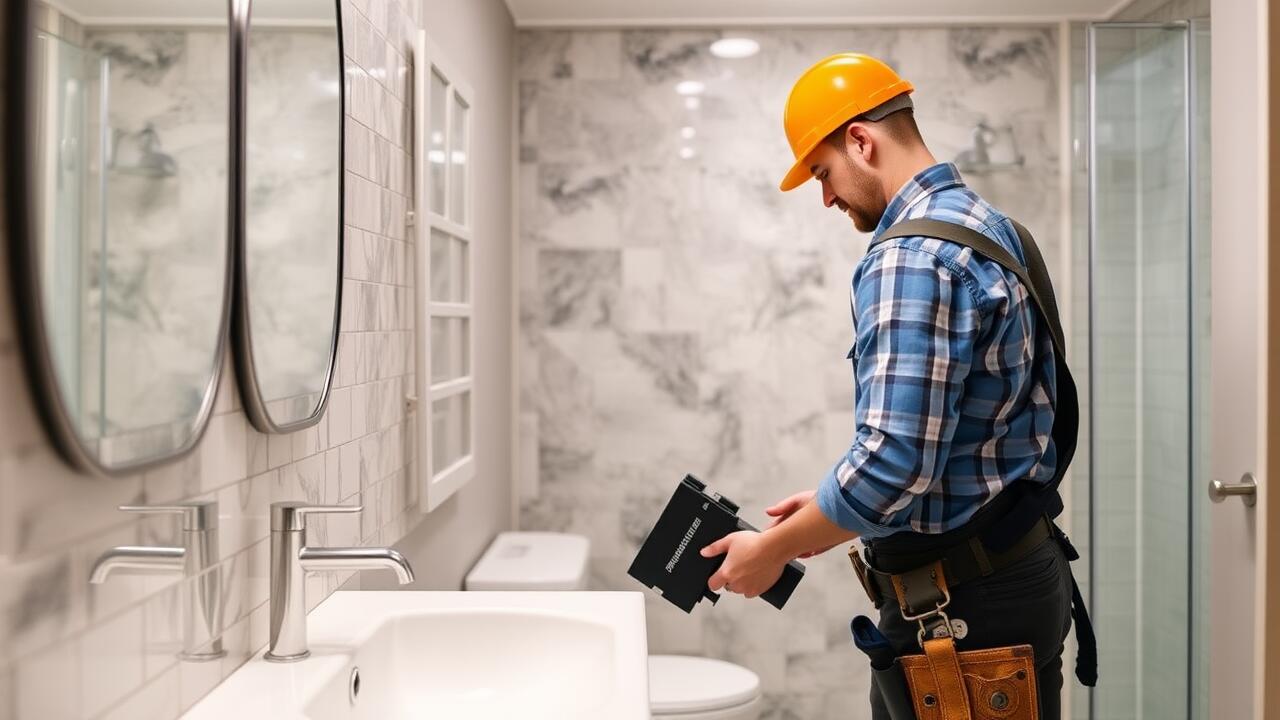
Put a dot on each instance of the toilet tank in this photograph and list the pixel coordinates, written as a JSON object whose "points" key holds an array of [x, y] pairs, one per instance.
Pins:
{"points": [[532, 561]]}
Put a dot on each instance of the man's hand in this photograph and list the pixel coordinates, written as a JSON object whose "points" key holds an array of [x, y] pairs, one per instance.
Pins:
{"points": [[750, 567], [786, 508]]}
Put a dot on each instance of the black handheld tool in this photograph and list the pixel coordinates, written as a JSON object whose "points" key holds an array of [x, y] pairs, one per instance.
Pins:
{"points": [[670, 560]]}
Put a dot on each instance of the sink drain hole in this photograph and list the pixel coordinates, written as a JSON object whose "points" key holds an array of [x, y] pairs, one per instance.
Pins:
{"points": [[354, 688]]}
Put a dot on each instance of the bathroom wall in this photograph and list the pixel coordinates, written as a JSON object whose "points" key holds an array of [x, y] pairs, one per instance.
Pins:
{"points": [[678, 314], [68, 650], [478, 38]]}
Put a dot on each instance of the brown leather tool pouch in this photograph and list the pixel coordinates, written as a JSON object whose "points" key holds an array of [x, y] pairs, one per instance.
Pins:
{"points": [[990, 684], [994, 684]]}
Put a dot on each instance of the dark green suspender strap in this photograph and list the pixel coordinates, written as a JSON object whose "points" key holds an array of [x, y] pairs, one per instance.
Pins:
{"points": [[1029, 502]]}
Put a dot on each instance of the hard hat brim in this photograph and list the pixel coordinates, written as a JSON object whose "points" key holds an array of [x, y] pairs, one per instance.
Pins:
{"points": [[797, 175]]}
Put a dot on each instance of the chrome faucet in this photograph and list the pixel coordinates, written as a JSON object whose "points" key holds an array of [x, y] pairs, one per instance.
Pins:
{"points": [[291, 560], [201, 603]]}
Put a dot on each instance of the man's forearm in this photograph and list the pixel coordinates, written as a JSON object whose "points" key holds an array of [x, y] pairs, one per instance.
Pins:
{"points": [[807, 530]]}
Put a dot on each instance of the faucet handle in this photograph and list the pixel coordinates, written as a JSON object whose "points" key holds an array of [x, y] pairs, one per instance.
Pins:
{"points": [[196, 516], [292, 514]]}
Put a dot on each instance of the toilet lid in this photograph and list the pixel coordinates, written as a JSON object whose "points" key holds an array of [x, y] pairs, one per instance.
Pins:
{"points": [[679, 683]]}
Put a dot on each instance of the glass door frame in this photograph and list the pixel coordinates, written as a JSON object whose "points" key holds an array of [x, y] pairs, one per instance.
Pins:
{"points": [[1197, 531]]}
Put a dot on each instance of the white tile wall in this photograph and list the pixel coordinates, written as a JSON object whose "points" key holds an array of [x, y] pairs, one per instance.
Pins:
{"points": [[69, 652]]}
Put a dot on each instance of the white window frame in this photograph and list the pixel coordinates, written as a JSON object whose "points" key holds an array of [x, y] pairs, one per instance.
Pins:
{"points": [[436, 487]]}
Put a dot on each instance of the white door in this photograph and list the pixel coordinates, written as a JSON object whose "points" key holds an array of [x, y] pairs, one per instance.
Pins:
{"points": [[1236, 356]]}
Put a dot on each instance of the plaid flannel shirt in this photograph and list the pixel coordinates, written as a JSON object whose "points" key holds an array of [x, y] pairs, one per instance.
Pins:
{"points": [[953, 370]]}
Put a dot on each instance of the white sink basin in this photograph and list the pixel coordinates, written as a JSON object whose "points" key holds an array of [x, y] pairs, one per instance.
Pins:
{"points": [[475, 655]]}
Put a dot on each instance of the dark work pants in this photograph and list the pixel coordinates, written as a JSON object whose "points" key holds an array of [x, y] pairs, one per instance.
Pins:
{"points": [[1027, 603]]}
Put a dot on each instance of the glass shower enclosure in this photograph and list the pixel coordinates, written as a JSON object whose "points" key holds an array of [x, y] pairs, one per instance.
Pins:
{"points": [[1138, 489]]}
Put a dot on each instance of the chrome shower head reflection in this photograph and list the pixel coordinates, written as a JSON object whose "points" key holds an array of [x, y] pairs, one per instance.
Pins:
{"points": [[140, 153]]}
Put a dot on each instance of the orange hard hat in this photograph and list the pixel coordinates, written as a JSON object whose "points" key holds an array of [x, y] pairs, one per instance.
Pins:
{"points": [[837, 89]]}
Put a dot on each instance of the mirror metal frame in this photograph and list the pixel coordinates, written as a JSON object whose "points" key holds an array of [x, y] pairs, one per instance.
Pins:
{"points": [[18, 164], [250, 390]]}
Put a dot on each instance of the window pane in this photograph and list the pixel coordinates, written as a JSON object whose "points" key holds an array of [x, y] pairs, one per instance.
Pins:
{"points": [[441, 367], [464, 424], [436, 141], [440, 451], [441, 287], [458, 161], [462, 258], [464, 346]]}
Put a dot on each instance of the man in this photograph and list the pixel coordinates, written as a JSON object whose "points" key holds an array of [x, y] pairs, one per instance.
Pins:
{"points": [[954, 373]]}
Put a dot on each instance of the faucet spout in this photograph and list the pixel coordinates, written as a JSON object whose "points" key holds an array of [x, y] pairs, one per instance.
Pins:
{"points": [[138, 559], [357, 558]]}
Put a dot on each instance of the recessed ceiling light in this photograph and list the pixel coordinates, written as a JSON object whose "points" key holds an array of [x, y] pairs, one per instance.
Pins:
{"points": [[692, 103], [690, 87], [687, 132], [734, 48], [686, 153]]}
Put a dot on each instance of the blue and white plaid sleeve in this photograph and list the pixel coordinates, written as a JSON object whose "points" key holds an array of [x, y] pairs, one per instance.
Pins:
{"points": [[917, 321]]}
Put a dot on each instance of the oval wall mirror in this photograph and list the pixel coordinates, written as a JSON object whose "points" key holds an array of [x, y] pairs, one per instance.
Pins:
{"points": [[118, 150], [289, 290]]}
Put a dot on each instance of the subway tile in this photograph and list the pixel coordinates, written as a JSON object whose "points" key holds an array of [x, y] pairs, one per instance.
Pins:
{"points": [[162, 617], [46, 685], [159, 698], [340, 416], [112, 660], [354, 265], [310, 473], [351, 470], [62, 507], [359, 410], [333, 475], [279, 450], [172, 482], [41, 601], [233, 575], [306, 442], [257, 587], [18, 426], [237, 644], [8, 693], [243, 511]]}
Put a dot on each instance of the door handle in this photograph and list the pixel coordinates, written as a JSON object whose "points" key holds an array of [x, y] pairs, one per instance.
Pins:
{"points": [[1247, 489]]}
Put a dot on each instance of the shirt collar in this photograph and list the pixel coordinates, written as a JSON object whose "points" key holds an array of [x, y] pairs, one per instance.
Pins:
{"points": [[932, 179]]}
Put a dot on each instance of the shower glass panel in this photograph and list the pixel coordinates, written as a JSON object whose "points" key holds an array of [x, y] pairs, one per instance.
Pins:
{"points": [[1148, 315]]}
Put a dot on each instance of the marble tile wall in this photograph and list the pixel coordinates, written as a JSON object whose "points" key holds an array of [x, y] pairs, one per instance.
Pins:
{"points": [[679, 314], [71, 651]]}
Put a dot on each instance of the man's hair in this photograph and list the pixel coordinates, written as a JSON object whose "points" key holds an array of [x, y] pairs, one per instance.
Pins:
{"points": [[900, 126]]}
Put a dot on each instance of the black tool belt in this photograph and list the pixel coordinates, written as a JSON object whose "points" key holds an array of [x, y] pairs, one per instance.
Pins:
{"points": [[961, 563]]}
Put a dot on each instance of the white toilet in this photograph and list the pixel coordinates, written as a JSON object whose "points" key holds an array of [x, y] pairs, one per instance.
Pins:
{"points": [[680, 687]]}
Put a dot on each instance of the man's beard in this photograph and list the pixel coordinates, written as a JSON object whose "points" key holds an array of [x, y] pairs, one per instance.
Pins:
{"points": [[866, 204]]}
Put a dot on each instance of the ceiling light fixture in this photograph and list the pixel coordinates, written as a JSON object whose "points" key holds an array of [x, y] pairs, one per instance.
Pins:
{"points": [[734, 48], [690, 87]]}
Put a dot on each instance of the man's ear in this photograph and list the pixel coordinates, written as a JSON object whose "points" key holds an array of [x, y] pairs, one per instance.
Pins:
{"points": [[858, 141]]}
